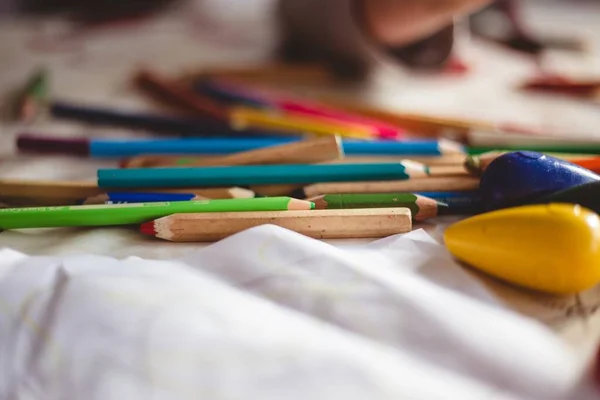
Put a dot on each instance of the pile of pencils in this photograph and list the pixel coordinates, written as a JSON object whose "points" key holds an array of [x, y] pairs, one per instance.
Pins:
{"points": [[252, 155]]}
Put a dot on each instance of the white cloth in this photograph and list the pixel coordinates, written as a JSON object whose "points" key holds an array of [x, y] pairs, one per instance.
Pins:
{"points": [[266, 314]]}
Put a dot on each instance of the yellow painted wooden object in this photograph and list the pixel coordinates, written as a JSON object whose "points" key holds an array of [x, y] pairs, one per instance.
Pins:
{"points": [[553, 248]]}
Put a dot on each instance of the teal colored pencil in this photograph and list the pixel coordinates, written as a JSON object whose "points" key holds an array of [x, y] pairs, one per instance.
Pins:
{"points": [[257, 175], [134, 213]]}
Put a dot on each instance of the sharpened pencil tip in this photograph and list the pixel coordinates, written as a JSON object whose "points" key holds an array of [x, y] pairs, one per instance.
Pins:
{"points": [[296, 204], [415, 169], [147, 228]]}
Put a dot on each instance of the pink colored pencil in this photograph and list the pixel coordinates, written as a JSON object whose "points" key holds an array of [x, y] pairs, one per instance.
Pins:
{"points": [[382, 129]]}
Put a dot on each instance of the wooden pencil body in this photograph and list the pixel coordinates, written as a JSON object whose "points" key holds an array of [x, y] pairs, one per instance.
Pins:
{"points": [[304, 152], [422, 124], [319, 224], [274, 190], [427, 160], [33, 189], [443, 184], [277, 73], [448, 170], [66, 192]]}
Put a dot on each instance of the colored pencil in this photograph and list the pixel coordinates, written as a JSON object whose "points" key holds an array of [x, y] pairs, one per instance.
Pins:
{"points": [[583, 148], [421, 124], [242, 118], [230, 93], [78, 190], [123, 214], [411, 185], [441, 147], [465, 202], [132, 147], [456, 162], [456, 198], [458, 159], [593, 164], [141, 197], [256, 174], [173, 92], [147, 121], [477, 164], [48, 189], [448, 170], [33, 96], [124, 198], [421, 207], [265, 73], [479, 138], [240, 94], [28, 142], [319, 224], [435, 170], [302, 152]]}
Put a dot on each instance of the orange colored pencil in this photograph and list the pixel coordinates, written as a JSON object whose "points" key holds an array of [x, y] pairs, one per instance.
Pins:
{"points": [[593, 164]]}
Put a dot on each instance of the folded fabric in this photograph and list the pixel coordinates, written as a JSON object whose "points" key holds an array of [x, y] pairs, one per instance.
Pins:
{"points": [[265, 314]]}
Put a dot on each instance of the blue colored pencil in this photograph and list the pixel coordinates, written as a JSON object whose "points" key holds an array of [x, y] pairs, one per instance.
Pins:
{"points": [[257, 175], [468, 202], [209, 88], [405, 148], [219, 146], [124, 198]]}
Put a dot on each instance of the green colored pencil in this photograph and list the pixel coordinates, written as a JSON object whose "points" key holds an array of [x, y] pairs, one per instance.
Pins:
{"points": [[33, 95], [134, 213], [420, 206]]}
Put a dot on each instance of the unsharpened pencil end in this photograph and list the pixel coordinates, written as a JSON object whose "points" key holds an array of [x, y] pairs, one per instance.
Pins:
{"points": [[450, 147], [147, 228], [477, 164], [472, 165], [241, 193]]}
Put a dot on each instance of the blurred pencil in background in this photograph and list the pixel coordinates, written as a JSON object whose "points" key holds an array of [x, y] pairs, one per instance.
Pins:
{"points": [[32, 98], [477, 164]]}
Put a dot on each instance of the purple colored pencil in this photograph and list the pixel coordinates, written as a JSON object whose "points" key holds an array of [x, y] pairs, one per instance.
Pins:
{"points": [[53, 145]]}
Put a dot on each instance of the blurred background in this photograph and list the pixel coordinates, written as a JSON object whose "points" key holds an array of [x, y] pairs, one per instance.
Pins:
{"points": [[91, 49]]}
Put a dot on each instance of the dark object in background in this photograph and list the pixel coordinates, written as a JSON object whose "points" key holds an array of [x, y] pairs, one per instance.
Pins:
{"points": [[430, 53], [502, 23], [586, 195], [586, 89], [95, 11]]}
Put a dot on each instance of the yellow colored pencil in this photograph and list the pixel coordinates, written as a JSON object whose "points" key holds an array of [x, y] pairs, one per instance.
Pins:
{"points": [[245, 117]]}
